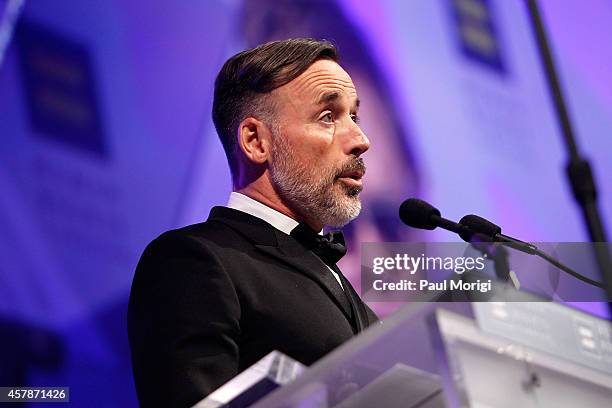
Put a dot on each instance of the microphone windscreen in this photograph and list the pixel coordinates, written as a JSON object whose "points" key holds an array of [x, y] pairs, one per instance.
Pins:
{"points": [[478, 225], [418, 213]]}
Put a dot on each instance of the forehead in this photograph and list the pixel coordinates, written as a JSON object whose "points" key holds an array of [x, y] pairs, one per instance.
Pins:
{"points": [[320, 78]]}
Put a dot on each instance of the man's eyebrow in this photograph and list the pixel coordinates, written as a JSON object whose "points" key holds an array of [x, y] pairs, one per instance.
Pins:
{"points": [[329, 97]]}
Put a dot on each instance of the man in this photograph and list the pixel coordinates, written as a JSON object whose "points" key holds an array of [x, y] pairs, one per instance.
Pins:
{"points": [[211, 299], [393, 151]]}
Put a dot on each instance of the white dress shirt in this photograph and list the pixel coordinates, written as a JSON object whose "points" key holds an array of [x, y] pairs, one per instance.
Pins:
{"points": [[278, 220]]}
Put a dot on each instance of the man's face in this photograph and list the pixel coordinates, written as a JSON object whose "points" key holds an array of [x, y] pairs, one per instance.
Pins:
{"points": [[316, 166]]}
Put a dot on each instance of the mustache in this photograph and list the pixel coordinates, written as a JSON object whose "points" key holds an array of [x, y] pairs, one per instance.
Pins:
{"points": [[356, 164]]}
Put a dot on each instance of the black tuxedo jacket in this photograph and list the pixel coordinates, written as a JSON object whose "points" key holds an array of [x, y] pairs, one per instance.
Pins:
{"points": [[211, 299]]}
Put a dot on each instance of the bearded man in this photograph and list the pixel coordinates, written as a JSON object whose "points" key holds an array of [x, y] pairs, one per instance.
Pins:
{"points": [[211, 299]]}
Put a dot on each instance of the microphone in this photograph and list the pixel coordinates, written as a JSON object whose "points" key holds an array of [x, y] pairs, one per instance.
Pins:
{"points": [[479, 225], [420, 214]]}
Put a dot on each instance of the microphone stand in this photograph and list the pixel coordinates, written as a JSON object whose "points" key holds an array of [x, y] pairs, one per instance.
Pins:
{"points": [[499, 255], [578, 168]]}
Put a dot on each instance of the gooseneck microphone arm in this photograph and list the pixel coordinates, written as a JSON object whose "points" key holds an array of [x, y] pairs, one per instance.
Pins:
{"points": [[448, 224], [479, 225], [569, 271]]}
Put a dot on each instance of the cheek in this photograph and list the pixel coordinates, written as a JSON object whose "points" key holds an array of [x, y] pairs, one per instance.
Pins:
{"points": [[316, 141], [313, 148]]}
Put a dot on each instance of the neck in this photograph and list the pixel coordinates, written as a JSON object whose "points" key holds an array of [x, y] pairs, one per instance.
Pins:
{"points": [[261, 190]]}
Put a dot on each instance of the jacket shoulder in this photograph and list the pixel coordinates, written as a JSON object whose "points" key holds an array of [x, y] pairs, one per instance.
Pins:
{"points": [[208, 234]]}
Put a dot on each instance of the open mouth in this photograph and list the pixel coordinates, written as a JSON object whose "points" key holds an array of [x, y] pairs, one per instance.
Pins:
{"points": [[354, 174], [353, 178]]}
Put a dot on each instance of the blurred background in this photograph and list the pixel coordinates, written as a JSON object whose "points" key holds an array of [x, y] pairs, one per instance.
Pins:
{"points": [[107, 141]]}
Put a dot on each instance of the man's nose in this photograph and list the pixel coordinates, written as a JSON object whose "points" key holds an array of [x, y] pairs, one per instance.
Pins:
{"points": [[359, 142]]}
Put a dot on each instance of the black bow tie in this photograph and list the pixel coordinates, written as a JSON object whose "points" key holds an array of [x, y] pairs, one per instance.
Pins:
{"points": [[329, 247]]}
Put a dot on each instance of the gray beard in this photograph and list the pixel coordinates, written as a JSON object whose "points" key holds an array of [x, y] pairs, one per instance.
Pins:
{"points": [[317, 197]]}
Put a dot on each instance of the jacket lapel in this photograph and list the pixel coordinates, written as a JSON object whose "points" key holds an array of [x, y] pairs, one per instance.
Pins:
{"points": [[360, 313], [286, 249], [293, 254]]}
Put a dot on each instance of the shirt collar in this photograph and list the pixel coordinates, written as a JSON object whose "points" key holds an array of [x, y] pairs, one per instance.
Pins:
{"points": [[246, 204]]}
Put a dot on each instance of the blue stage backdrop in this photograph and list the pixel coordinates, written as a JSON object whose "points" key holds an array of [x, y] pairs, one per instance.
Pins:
{"points": [[107, 141]]}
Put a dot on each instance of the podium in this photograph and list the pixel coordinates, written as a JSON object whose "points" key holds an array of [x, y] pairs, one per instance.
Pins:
{"points": [[488, 354], [269, 373]]}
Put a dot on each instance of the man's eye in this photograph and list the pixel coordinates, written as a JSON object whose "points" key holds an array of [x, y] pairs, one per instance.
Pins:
{"points": [[327, 118]]}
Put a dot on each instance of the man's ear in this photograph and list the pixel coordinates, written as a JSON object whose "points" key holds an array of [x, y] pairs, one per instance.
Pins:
{"points": [[254, 139]]}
